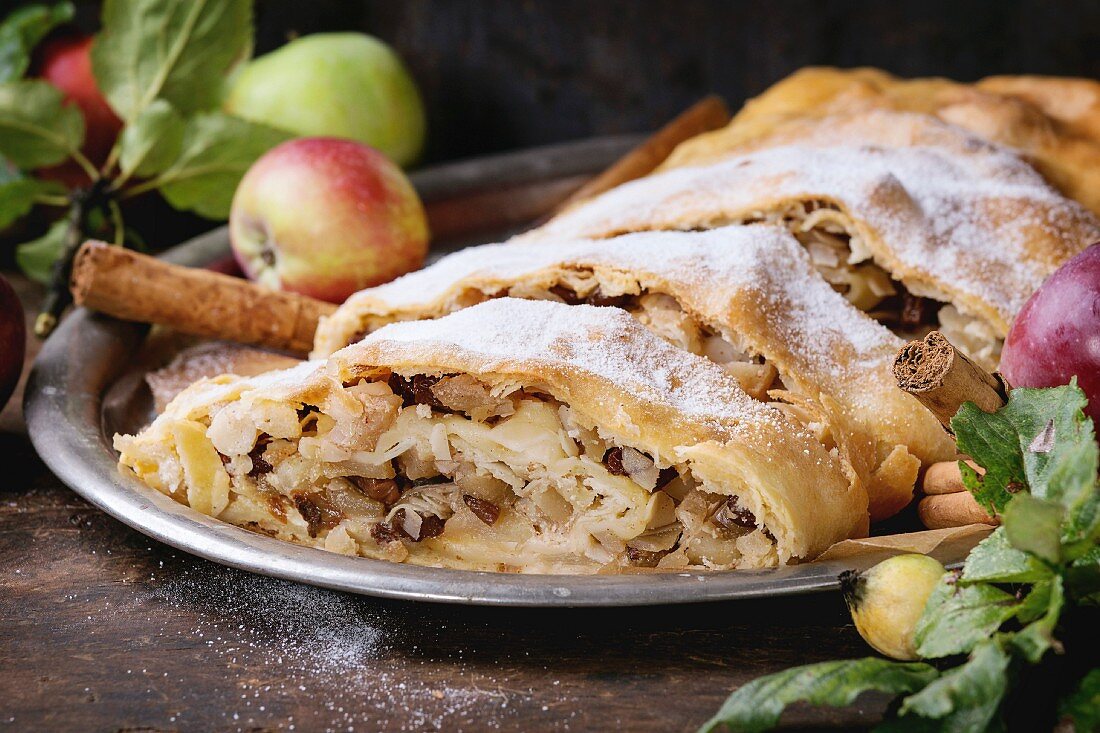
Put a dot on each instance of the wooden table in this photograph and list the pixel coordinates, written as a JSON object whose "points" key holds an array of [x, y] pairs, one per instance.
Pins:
{"points": [[102, 629]]}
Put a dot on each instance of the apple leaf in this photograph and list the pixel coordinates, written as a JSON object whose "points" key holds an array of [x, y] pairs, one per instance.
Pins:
{"points": [[1082, 706], [965, 698], [957, 617], [166, 49], [22, 30], [995, 560], [152, 142], [36, 128], [1035, 525], [215, 152], [18, 192], [757, 705], [36, 258]]}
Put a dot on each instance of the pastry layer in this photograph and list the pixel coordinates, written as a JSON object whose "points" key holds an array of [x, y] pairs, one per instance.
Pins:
{"points": [[747, 298], [956, 220], [1053, 122], [514, 435]]}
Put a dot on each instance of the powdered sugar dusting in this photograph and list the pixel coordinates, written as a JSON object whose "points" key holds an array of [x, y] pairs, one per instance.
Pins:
{"points": [[603, 342], [973, 217], [709, 269]]}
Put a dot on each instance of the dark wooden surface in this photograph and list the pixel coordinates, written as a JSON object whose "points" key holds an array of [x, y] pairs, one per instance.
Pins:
{"points": [[102, 629]]}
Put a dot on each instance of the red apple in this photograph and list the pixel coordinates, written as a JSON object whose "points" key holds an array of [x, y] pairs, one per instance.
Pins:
{"points": [[1056, 335], [13, 340], [326, 217], [65, 63]]}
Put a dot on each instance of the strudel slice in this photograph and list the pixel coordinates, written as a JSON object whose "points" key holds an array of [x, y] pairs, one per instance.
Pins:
{"points": [[522, 436], [1054, 123], [745, 297], [917, 222]]}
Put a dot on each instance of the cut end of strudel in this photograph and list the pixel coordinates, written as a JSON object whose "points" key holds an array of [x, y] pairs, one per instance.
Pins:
{"points": [[523, 436], [745, 297], [917, 222]]}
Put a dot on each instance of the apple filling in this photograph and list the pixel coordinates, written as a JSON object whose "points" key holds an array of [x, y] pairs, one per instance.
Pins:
{"points": [[444, 470], [844, 260]]}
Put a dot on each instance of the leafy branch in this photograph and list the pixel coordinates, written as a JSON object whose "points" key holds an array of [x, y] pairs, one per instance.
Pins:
{"points": [[1017, 593], [161, 64]]}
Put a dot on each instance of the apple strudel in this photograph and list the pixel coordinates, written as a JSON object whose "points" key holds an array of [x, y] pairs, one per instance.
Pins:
{"points": [[746, 297], [1053, 122], [515, 435], [923, 226]]}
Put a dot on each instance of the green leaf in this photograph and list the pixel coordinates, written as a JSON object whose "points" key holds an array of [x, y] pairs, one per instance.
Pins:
{"points": [[966, 698], [36, 258], [166, 49], [215, 153], [1028, 444], [151, 142], [17, 193], [757, 705], [1035, 525], [995, 560], [1040, 610], [957, 617], [22, 30], [36, 129], [1082, 706], [1083, 578]]}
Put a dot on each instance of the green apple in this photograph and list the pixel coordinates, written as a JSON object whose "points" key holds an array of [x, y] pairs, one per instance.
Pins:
{"points": [[347, 85]]}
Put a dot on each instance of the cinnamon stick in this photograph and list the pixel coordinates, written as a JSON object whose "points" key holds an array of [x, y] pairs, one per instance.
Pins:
{"points": [[943, 378], [952, 510], [705, 115], [136, 287]]}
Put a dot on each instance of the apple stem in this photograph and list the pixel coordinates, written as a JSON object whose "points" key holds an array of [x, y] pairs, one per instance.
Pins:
{"points": [[58, 297]]}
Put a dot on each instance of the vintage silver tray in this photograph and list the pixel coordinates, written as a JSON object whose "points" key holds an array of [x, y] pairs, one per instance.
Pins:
{"points": [[83, 389]]}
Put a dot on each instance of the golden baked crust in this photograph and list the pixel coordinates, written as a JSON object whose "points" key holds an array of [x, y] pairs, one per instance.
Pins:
{"points": [[1053, 122], [752, 289], [560, 385], [951, 216]]}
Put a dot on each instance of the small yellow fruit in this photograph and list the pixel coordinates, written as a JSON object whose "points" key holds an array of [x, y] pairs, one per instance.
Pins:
{"points": [[887, 601]]}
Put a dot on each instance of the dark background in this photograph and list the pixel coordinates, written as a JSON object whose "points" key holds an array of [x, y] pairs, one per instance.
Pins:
{"points": [[506, 74], [503, 74]]}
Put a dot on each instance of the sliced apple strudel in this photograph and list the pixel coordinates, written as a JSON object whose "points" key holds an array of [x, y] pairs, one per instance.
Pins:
{"points": [[925, 227], [515, 435], [745, 297], [1053, 122]]}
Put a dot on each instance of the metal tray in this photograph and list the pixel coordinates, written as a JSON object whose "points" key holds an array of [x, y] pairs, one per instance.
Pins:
{"points": [[81, 391]]}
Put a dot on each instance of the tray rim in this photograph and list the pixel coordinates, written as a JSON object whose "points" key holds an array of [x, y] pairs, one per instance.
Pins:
{"points": [[63, 409]]}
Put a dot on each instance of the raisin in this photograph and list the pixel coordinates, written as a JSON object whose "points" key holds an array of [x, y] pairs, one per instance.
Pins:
{"points": [[567, 294], [417, 391], [916, 311], [318, 512], [613, 460], [259, 465], [618, 301], [430, 526], [486, 511], [665, 477], [732, 514], [385, 532], [644, 558], [384, 490]]}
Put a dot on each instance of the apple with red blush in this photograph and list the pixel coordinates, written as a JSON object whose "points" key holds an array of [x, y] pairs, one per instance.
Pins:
{"points": [[326, 217], [65, 63], [13, 340], [1056, 335]]}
